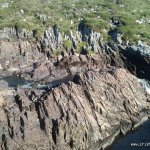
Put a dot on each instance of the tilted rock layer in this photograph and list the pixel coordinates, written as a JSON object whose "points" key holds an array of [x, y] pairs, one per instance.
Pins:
{"points": [[92, 108]]}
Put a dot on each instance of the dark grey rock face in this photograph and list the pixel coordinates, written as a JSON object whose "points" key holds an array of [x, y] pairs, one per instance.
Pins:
{"points": [[139, 58]]}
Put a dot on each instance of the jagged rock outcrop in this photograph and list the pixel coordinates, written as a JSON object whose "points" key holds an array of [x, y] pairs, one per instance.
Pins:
{"points": [[15, 33], [54, 40], [80, 114], [21, 54], [18, 50], [89, 98]]}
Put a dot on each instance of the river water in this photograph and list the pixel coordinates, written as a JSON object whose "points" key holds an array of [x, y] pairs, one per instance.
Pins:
{"points": [[138, 139], [14, 82]]}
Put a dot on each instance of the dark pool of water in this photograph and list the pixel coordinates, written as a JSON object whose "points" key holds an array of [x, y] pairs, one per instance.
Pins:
{"points": [[141, 136], [17, 81]]}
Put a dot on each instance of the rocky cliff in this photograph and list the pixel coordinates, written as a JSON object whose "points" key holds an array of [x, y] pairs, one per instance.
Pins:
{"points": [[94, 94], [19, 50], [91, 109]]}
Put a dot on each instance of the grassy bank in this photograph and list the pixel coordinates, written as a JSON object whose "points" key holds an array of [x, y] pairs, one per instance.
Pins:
{"points": [[133, 15]]}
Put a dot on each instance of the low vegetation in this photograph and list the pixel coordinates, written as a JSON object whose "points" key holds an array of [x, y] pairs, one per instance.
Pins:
{"points": [[133, 16]]}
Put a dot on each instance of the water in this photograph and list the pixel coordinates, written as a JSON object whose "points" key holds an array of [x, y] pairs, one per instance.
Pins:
{"points": [[140, 136], [145, 84], [17, 81]]}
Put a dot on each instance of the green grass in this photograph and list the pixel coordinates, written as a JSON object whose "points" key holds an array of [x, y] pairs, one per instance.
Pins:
{"points": [[38, 14], [68, 44]]}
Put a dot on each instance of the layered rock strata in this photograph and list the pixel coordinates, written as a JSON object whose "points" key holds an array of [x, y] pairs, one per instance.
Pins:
{"points": [[92, 108], [92, 97]]}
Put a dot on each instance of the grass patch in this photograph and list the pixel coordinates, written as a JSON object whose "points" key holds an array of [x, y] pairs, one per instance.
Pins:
{"points": [[38, 14], [68, 44]]}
